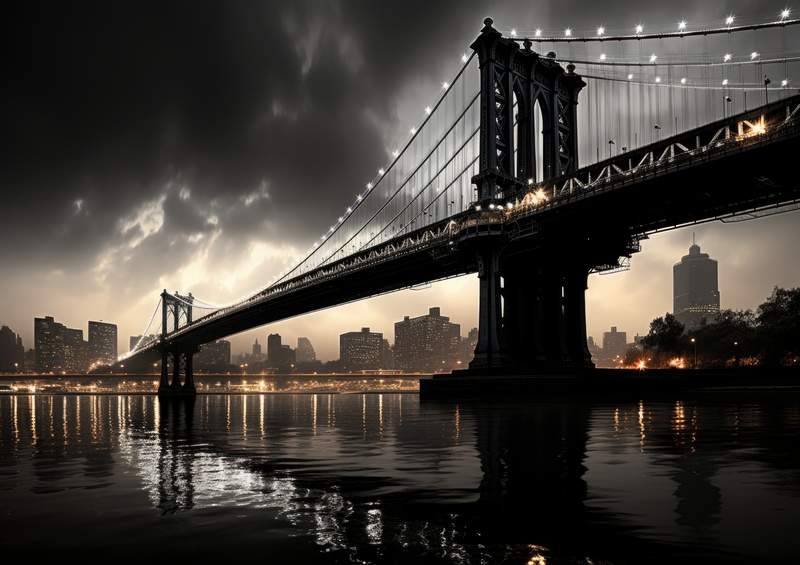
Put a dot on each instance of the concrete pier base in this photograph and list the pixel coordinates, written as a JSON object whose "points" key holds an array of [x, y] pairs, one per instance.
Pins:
{"points": [[599, 382]]}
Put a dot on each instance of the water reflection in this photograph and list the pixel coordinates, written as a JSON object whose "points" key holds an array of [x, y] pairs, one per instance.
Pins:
{"points": [[386, 478]]}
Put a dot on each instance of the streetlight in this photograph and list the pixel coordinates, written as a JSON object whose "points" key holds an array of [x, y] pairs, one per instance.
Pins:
{"points": [[767, 81], [694, 343], [725, 101], [657, 127]]}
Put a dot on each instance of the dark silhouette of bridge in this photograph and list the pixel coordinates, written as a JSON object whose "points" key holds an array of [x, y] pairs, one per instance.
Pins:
{"points": [[499, 191]]}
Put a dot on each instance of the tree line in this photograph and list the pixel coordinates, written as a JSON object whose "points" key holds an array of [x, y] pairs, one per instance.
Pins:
{"points": [[768, 337]]}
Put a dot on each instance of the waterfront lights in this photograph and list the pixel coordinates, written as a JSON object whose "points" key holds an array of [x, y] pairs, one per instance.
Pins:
{"points": [[653, 58], [464, 58], [682, 25], [639, 29], [727, 57], [754, 55], [568, 32], [477, 207], [729, 20], [530, 182], [509, 205], [601, 30], [428, 110], [491, 206], [683, 80], [537, 33], [785, 13]]}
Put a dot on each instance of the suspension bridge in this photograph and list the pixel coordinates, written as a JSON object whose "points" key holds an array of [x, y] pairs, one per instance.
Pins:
{"points": [[546, 158]]}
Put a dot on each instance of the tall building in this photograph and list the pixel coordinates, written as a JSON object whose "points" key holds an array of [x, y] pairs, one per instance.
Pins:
{"points": [[76, 351], [48, 341], [135, 339], [426, 343], [12, 354], [695, 290], [213, 356], [102, 343], [305, 351], [274, 348], [614, 343], [256, 348], [279, 356], [361, 350]]}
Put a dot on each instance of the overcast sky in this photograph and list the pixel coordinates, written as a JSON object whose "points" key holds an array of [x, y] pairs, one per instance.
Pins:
{"points": [[201, 146]]}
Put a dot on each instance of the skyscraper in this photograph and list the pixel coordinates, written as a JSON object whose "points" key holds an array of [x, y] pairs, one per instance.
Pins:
{"points": [[361, 350], [256, 348], [214, 355], [305, 351], [695, 289], [426, 343], [48, 339], [76, 351], [102, 343], [614, 343], [12, 354]]}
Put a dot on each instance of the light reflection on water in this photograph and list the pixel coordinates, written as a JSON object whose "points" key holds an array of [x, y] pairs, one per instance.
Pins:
{"points": [[385, 477]]}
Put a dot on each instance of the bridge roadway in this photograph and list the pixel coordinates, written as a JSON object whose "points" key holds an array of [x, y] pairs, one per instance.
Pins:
{"points": [[736, 165]]}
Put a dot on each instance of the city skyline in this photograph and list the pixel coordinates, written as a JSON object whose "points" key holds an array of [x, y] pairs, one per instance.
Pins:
{"points": [[226, 242]]}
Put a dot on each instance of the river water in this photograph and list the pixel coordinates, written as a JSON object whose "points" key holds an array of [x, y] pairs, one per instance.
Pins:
{"points": [[339, 478]]}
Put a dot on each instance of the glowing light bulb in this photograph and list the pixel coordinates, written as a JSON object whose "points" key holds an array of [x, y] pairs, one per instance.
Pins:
{"points": [[785, 13], [395, 153], [509, 205], [630, 77], [658, 79], [784, 82], [725, 82], [683, 80], [381, 172], [653, 58], [601, 30], [639, 28], [464, 58], [537, 33], [602, 56], [682, 25], [568, 32], [413, 131], [349, 210], [428, 110], [530, 181], [754, 55], [359, 198], [445, 85], [727, 57], [513, 33], [369, 186], [729, 20], [340, 219]]}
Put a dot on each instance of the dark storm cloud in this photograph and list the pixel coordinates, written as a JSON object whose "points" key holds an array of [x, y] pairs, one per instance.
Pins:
{"points": [[107, 103]]}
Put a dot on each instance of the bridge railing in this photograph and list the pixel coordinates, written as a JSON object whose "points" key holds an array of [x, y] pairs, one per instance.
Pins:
{"points": [[738, 132]]}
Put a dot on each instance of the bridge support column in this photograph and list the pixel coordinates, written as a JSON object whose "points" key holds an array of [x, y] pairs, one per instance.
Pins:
{"points": [[176, 371], [489, 354], [575, 284], [188, 383], [163, 385]]}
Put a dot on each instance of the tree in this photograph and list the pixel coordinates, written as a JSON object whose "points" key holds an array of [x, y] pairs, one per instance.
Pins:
{"points": [[730, 338], [779, 326]]}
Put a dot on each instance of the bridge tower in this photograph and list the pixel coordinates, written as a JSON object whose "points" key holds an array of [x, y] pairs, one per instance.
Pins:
{"points": [[175, 309], [531, 312]]}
